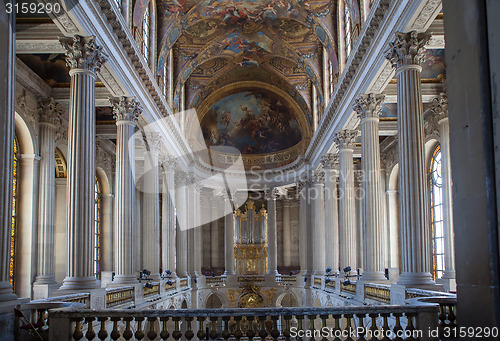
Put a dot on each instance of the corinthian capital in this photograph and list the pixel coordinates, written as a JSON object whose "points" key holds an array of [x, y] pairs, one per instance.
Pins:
{"points": [[330, 161], [440, 107], [50, 112], [345, 138], [154, 140], [125, 108], [369, 105], [83, 53], [407, 49]]}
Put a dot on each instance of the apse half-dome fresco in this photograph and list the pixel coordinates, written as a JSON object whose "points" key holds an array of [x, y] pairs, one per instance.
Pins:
{"points": [[253, 121]]}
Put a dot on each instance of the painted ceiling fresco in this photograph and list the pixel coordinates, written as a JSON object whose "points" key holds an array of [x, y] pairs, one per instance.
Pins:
{"points": [[254, 122]]}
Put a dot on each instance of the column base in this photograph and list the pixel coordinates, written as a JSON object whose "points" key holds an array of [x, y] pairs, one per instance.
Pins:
{"points": [[373, 276], [80, 283], [41, 291], [449, 284], [6, 293], [121, 280], [411, 279], [45, 279]]}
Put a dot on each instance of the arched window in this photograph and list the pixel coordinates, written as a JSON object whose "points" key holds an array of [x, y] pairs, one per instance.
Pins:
{"points": [[165, 79], [13, 229], [436, 192], [97, 229], [347, 29], [146, 27]]}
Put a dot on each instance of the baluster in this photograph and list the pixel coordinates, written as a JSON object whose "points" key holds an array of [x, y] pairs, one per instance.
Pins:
{"points": [[286, 331], [115, 334], [226, 334], [103, 333], [127, 333], [176, 334], [78, 334], [385, 327], [201, 334], [299, 318], [90, 335], [397, 327], [251, 328], [262, 330], [451, 315], [152, 333], [361, 326], [213, 331], [336, 328], [442, 316], [323, 325], [311, 326], [164, 328], [373, 327], [348, 327], [139, 334], [189, 332], [410, 328], [237, 333], [275, 333]]}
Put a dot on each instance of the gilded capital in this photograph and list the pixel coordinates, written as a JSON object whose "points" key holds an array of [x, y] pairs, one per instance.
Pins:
{"points": [[125, 108], [330, 161], [369, 105], [50, 111], [345, 138], [83, 53], [407, 49], [439, 107]]}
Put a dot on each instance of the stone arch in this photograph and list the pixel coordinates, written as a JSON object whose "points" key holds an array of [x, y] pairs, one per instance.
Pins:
{"points": [[215, 300], [287, 299]]}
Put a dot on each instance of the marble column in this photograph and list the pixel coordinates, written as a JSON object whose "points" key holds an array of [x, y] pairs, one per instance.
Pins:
{"points": [[182, 233], [229, 238], [330, 164], [317, 196], [168, 214], [368, 108], [287, 234], [304, 226], [84, 58], [50, 112], [405, 54], [7, 105], [272, 240], [151, 211], [347, 216], [358, 196], [214, 233], [392, 204], [126, 111], [440, 109], [197, 230]]}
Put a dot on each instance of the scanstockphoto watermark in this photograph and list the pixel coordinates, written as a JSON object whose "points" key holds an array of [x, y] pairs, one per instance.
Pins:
{"points": [[354, 333]]}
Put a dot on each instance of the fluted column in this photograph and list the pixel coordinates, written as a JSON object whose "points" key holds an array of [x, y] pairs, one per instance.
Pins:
{"points": [[228, 238], [49, 119], [84, 58], [368, 108], [440, 109], [197, 230], [358, 221], [168, 214], [392, 203], [272, 240], [330, 164], [182, 233], [405, 55], [287, 234], [214, 233], [347, 220], [304, 226], [318, 224], [125, 111], [151, 216]]}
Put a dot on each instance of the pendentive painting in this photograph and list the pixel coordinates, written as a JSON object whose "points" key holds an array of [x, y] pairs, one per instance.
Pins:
{"points": [[254, 122]]}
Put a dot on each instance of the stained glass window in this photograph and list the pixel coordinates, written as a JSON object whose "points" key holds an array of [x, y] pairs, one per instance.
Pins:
{"points": [[347, 29], [145, 34], [13, 229], [97, 229], [436, 191]]}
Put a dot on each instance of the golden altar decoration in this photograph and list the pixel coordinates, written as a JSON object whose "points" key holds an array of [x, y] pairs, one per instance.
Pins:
{"points": [[250, 233]]}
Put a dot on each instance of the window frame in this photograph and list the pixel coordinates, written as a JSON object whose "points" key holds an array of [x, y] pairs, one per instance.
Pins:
{"points": [[436, 212]]}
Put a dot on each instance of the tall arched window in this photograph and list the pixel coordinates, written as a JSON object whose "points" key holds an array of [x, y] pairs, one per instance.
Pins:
{"points": [[347, 29], [97, 229], [13, 229], [146, 27], [165, 79], [436, 192]]}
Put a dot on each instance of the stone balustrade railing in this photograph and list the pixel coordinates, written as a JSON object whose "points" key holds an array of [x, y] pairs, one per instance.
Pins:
{"points": [[411, 322]]}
